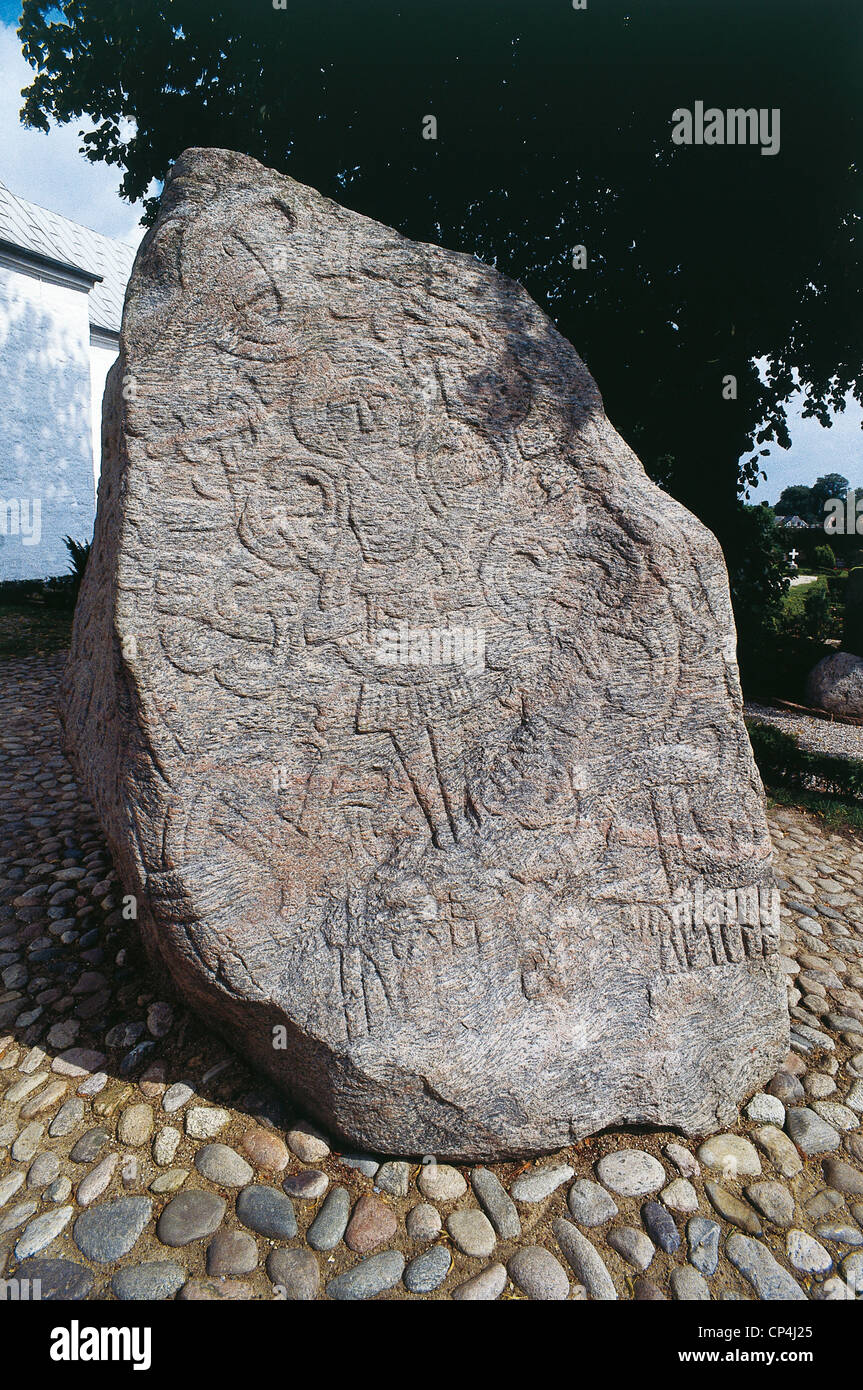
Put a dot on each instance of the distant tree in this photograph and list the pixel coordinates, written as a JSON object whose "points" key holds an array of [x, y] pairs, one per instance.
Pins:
{"points": [[831, 485]]}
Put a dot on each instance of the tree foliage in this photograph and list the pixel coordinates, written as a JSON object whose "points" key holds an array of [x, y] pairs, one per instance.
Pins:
{"points": [[759, 573], [553, 131], [826, 488], [808, 502], [796, 500]]}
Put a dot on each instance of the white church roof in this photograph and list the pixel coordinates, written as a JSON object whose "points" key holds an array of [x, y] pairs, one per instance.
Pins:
{"points": [[37, 231]]}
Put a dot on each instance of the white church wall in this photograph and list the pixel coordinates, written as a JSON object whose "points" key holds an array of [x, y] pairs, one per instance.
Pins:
{"points": [[46, 441], [102, 359]]}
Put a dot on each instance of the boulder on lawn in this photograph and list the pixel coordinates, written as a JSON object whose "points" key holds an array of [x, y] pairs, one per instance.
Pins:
{"points": [[835, 684]]}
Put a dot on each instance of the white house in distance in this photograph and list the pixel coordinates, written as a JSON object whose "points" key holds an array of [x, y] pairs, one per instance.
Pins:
{"points": [[61, 302]]}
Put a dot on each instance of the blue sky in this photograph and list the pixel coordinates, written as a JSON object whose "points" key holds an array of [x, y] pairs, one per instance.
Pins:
{"points": [[49, 170], [814, 451]]}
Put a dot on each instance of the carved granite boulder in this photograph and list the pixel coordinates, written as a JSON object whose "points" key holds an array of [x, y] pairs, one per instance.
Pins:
{"points": [[408, 703]]}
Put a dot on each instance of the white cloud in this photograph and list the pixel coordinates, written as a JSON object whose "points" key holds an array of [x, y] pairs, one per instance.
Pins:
{"points": [[48, 169]]}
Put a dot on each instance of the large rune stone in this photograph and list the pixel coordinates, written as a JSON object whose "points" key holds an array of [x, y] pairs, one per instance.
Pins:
{"points": [[408, 703]]}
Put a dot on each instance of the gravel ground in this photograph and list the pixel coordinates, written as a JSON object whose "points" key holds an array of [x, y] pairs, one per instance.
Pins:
{"points": [[818, 735], [140, 1159]]}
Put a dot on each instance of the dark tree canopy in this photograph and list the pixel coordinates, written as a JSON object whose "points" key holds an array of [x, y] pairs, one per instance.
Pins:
{"points": [[827, 488], [554, 129], [756, 556], [795, 500], [808, 502]]}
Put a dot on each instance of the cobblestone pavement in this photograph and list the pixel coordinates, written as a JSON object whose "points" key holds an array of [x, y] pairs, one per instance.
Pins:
{"points": [[140, 1159]]}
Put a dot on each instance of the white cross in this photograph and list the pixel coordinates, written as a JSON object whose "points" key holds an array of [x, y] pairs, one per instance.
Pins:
{"points": [[793, 557]]}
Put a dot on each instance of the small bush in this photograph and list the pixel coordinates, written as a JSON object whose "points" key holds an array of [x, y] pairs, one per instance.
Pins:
{"points": [[824, 558], [821, 618], [79, 554], [810, 613]]}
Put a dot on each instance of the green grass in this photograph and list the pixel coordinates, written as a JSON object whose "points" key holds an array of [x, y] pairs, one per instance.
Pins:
{"points": [[793, 599], [837, 814]]}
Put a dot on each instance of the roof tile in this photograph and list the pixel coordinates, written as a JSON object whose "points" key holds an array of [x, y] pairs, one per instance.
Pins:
{"points": [[35, 229]]}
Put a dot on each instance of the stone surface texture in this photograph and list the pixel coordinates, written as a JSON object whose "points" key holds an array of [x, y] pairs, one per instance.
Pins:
{"points": [[835, 684], [445, 865], [48, 832]]}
